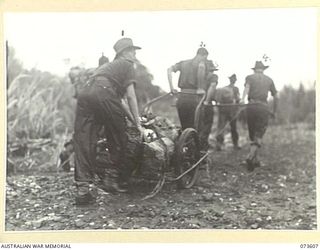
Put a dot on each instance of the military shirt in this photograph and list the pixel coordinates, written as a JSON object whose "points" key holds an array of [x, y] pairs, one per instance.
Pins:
{"points": [[120, 72], [260, 85], [236, 93], [188, 78]]}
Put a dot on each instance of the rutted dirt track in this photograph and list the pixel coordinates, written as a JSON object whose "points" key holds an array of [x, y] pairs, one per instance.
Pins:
{"points": [[280, 195]]}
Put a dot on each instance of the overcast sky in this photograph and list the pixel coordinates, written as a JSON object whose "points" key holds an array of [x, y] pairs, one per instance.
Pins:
{"points": [[235, 39]]}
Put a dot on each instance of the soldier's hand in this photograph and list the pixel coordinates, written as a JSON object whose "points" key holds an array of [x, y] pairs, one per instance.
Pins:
{"points": [[141, 130], [174, 92]]}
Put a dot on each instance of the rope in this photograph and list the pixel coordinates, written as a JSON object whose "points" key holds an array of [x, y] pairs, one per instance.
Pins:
{"points": [[243, 107], [231, 120], [197, 113]]}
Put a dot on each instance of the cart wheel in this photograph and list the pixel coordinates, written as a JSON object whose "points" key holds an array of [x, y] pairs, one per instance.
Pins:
{"points": [[187, 154]]}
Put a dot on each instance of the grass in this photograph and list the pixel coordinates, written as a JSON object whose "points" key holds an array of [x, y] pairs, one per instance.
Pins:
{"points": [[39, 105]]}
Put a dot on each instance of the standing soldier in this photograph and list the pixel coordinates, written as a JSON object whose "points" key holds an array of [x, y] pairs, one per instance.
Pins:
{"points": [[228, 95], [99, 103], [257, 87], [192, 84]]}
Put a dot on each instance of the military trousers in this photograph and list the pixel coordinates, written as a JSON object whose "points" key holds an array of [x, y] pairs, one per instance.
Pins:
{"points": [[257, 120], [226, 114], [99, 105]]}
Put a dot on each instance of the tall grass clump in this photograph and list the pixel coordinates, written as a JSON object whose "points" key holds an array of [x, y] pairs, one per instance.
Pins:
{"points": [[40, 115], [39, 105]]}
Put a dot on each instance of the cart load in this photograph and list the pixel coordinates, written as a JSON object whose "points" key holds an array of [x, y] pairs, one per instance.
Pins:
{"points": [[157, 146]]}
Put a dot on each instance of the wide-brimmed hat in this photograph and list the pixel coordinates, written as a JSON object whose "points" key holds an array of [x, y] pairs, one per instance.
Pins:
{"points": [[260, 65], [123, 44], [233, 76]]}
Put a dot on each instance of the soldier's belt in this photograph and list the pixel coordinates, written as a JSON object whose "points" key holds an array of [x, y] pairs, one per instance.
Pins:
{"points": [[188, 91]]}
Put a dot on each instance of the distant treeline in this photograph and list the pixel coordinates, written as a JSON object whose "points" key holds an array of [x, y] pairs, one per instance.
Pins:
{"points": [[297, 105]]}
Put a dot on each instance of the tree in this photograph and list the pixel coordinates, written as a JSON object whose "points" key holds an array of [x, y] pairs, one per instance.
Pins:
{"points": [[14, 66]]}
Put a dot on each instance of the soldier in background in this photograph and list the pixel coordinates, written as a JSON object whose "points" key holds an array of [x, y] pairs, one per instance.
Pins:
{"points": [[257, 87], [103, 59], [228, 95], [79, 76]]}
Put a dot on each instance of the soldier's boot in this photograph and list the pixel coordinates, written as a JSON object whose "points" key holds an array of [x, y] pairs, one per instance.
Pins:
{"points": [[219, 142], [110, 183], [123, 181], [250, 165], [219, 146], [236, 147], [65, 161], [252, 157], [86, 194], [259, 164]]}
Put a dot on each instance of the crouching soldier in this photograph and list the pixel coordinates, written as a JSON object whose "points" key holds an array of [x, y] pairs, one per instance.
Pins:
{"points": [[99, 104]]}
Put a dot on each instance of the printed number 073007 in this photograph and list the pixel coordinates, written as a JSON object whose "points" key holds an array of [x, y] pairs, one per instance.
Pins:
{"points": [[308, 245]]}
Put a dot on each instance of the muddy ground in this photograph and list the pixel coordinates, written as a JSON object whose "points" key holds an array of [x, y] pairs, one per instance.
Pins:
{"points": [[280, 195]]}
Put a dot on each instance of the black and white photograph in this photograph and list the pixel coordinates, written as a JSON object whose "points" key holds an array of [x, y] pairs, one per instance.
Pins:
{"points": [[161, 120]]}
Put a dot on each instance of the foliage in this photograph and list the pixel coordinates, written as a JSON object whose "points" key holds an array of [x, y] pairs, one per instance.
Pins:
{"points": [[39, 105], [296, 105], [14, 66]]}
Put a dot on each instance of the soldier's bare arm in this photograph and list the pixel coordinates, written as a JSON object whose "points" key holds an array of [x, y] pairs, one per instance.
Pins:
{"points": [[275, 103], [133, 105], [245, 93], [210, 93], [127, 110], [169, 74], [201, 77]]}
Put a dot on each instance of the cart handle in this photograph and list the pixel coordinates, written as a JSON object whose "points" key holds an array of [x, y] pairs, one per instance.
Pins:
{"points": [[197, 112], [240, 105], [149, 103]]}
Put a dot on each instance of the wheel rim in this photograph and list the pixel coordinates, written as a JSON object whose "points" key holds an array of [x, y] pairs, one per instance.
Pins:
{"points": [[189, 155]]}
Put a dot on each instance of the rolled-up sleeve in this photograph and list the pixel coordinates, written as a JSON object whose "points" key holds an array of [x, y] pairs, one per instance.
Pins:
{"points": [[176, 67]]}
